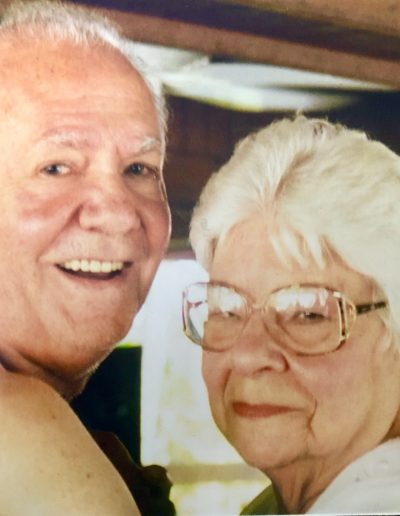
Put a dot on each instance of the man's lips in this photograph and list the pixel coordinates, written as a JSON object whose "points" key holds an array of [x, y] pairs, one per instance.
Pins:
{"points": [[260, 410]]}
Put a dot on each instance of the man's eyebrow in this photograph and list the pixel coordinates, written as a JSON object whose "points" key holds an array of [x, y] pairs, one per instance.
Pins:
{"points": [[85, 139], [70, 138], [150, 143], [136, 146]]}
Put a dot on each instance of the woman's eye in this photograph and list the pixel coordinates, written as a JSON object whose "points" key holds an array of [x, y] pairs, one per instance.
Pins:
{"points": [[232, 315], [55, 169], [224, 314], [311, 317], [142, 170]]}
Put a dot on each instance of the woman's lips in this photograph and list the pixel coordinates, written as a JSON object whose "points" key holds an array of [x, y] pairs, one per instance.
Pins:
{"points": [[258, 410]]}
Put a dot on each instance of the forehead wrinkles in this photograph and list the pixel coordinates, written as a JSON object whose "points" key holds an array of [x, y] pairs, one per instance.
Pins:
{"points": [[79, 121], [117, 97], [260, 270], [64, 70], [45, 66], [22, 52]]}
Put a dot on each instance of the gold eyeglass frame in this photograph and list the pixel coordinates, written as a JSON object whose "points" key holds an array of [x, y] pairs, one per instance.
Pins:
{"points": [[347, 309]]}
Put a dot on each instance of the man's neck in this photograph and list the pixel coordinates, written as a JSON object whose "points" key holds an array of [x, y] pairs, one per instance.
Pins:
{"points": [[66, 388]]}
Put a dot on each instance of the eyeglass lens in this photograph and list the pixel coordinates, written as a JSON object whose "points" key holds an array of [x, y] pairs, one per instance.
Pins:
{"points": [[307, 320]]}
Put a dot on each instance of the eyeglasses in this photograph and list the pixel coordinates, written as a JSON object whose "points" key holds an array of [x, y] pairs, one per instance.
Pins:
{"points": [[308, 320]]}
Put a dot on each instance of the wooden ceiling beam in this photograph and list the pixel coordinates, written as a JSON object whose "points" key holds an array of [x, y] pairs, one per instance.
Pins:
{"points": [[375, 16], [256, 48]]}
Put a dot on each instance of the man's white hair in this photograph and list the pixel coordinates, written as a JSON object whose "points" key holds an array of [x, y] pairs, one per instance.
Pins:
{"points": [[58, 22], [324, 187]]}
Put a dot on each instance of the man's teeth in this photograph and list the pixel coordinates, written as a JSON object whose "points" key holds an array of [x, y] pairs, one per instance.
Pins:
{"points": [[92, 266]]}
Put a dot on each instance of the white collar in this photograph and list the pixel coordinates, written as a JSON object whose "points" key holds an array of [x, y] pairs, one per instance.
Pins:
{"points": [[376, 466]]}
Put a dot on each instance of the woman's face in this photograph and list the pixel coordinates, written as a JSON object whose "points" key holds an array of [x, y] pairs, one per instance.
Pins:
{"points": [[276, 407]]}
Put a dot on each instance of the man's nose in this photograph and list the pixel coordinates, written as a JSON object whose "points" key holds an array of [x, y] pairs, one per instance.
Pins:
{"points": [[109, 206], [255, 350]]}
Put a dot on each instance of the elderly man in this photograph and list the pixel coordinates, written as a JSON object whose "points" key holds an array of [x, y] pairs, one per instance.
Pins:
{"points": [[84, 225]]}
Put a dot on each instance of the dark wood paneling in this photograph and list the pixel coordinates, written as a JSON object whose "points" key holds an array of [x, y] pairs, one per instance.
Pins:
{"points": [[189, 167]]}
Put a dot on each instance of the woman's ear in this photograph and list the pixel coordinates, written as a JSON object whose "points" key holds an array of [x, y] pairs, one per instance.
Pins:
{"points": [[387, 339]]}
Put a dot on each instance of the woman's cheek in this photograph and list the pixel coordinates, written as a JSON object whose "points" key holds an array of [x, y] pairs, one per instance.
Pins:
{"points": [[215, 371], [215, 374]]}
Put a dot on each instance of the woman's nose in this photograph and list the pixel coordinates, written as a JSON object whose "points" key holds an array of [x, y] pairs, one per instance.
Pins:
{"points": [[109, 206], [255, 350]]}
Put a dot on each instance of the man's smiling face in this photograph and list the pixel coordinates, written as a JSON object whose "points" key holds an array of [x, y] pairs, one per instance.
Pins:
{"points": [[85, 220]]}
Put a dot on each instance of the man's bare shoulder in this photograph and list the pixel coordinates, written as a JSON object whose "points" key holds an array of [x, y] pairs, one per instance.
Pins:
{"points": [[15, 386], [31, 401], [49, 455]]}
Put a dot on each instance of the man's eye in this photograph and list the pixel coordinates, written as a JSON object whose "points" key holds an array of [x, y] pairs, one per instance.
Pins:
{"points": [[142, 170], [55, 169]]}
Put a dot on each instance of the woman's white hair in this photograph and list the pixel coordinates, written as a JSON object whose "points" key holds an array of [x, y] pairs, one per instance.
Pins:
{"points": [[325, 188], [57, 21]]}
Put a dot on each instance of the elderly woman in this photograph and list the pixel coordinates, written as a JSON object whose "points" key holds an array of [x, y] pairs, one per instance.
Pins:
{"points": [[300, 321]]}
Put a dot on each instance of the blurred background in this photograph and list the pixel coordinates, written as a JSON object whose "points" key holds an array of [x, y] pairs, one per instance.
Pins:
{"points": [[228, 67]]}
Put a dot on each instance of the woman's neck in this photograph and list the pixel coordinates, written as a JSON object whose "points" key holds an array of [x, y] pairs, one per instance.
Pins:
{"points": [[298, 485], [394, 430]]}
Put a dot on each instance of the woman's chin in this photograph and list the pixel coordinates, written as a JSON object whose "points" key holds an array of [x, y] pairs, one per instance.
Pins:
{"points": [[264, 450]]}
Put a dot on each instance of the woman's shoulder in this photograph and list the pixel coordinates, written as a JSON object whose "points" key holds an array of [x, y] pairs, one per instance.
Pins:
{"points": [[49, 464]]}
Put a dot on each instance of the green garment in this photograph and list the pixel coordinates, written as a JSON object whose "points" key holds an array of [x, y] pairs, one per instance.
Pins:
{"points": [[265, 503]]}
